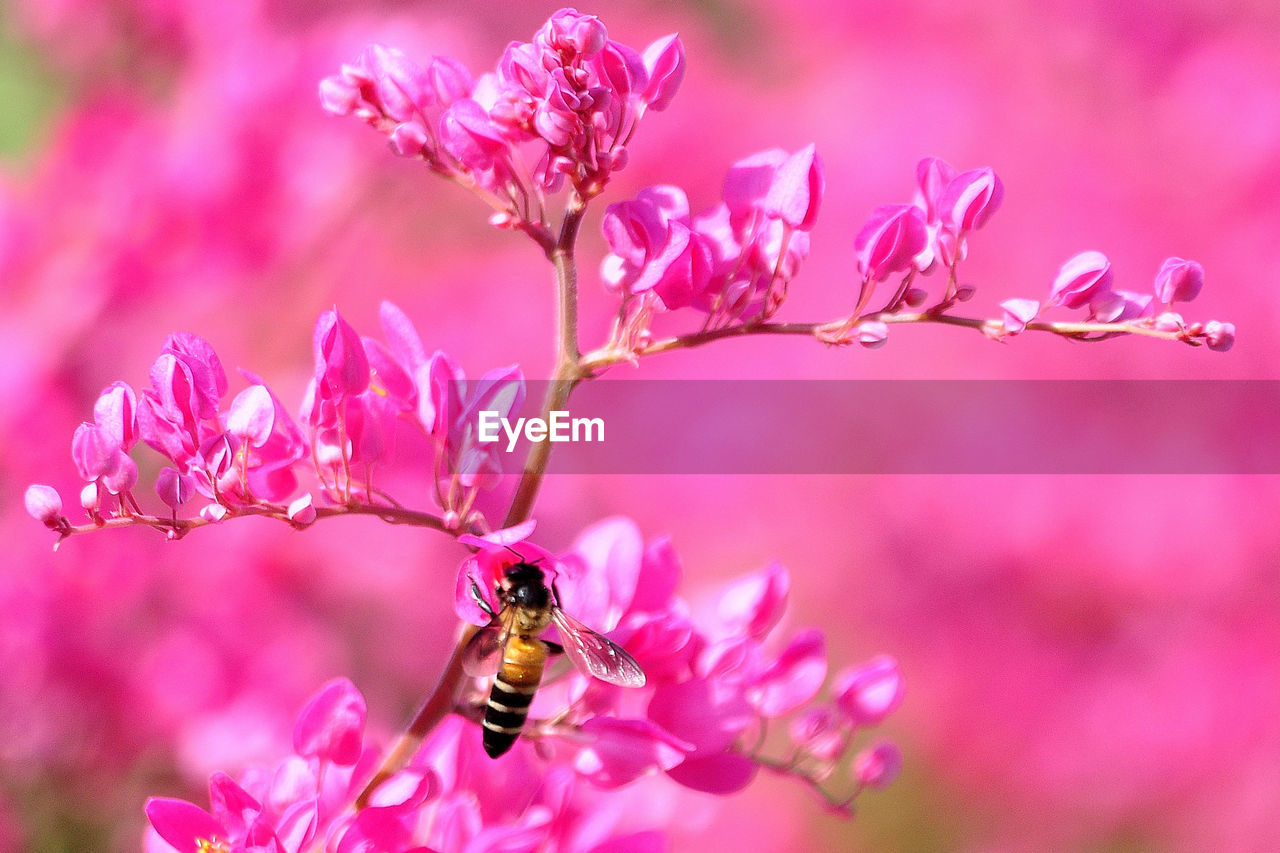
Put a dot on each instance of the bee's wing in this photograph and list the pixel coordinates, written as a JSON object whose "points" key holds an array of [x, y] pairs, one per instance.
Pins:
{"points": [[483, 654], [596, 655]]}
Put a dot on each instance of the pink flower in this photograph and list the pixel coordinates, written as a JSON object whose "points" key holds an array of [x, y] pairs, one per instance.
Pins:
{"points": [[755, 603], [795, 193], [890, 240], [44, 505], [100, 459], [654, 248], [970, 198], [664, 60], [869, 693], [878, 766], [236, 819], [794, 679], [271, 438], [484, 570], [569, 31], [621, 751], [179, 413], [331, 725], [933, 176], [173, 487], [115, 411], [1178, 281], [1018, 313], [1220, 336], [1117, 306], [341, 366], [818, 731], [871, 334], [1081, 279], [302, 511]]}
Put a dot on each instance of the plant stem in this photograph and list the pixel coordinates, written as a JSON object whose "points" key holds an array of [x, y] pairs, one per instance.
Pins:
{"points": [[567, 372], [602, 358], [437, 706], [176, 528]]}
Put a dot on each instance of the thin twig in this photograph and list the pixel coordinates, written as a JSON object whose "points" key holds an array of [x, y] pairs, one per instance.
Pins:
{"points": [[567, 372], [602, 358]]}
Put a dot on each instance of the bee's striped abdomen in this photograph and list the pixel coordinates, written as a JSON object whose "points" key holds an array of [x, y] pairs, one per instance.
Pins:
{"points": [[513, 689]]}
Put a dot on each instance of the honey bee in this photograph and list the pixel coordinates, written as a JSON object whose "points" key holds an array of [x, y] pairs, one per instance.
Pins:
{"points": [[510, 649]]}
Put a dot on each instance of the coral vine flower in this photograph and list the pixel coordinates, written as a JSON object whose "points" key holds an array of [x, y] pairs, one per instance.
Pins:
{"points": [[970, 198], [733, 261], [572, 89], [1178, 281], [1080, 279], [890, 240], [708, 687]]}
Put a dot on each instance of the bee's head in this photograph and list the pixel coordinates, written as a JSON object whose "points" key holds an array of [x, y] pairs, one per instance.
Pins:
{"points": [[526, 586]]}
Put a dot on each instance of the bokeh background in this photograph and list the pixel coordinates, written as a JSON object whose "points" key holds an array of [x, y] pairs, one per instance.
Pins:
{"points": [[1092, 662]]}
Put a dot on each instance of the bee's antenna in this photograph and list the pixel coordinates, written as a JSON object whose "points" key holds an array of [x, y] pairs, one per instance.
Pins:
{"points": [[521, 558]]}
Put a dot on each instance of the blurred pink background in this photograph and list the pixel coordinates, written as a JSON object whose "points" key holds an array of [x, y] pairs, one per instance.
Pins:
{"points": [[1091, 662]]}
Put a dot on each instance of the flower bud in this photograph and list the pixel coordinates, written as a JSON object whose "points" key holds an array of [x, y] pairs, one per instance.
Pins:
{"points": [[871, 334], [818, 732], [890, 240], [1119, 306], [331, 725], [409, 138], [1220, 337], [173, 487], [341, 366], [44, 504], [878, 766], [1179, 281], [1080, 279], [338, 95], [252, 415], [450, 80], [970, 198], [302, 511], [869, 693], [213, 512], [116, 412], [569, 30], [933, 175], [664, 60], [1018, 313], [796, 192]]}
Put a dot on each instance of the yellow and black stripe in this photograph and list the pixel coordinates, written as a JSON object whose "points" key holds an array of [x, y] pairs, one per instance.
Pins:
{"points": [[513, 689]]}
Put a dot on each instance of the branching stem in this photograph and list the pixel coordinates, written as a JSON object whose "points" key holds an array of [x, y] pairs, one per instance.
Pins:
{"points": [[567, 371]]}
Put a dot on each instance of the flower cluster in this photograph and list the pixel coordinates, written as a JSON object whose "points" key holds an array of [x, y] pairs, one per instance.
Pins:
{"points": [[1085, 282], [572, 90], [715, 682], [734, 261], [932, 233], [927, 235], [699, 723], [246, 457]]}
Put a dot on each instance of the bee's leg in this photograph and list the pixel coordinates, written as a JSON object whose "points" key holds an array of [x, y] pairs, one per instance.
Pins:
{"points": [[479, 599], [553, 648]]}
